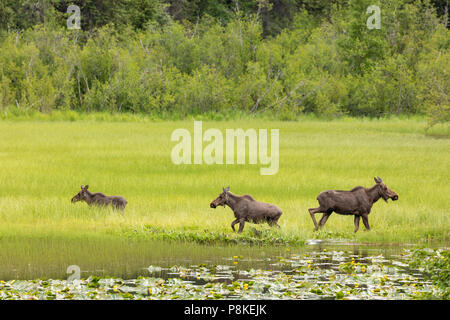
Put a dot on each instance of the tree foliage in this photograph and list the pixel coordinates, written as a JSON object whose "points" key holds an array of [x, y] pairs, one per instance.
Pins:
{"points": [[180, 58]]}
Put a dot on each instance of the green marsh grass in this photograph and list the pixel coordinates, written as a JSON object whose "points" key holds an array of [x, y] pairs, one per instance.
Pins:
{"points": [[43, 163]]}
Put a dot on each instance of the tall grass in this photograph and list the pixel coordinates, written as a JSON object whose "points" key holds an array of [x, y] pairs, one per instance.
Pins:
{"points": [[43, 163]]}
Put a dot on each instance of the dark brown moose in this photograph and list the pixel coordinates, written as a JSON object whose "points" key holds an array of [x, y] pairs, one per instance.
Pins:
{"points": [[247, 209], [357, 202], [99, 199]]}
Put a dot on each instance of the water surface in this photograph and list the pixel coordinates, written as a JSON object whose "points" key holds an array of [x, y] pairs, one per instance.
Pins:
{"points": [[49, 258]]}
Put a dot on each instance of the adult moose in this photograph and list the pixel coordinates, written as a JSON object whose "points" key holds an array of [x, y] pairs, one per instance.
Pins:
{"points": [[247, 209], [99, 199], [357, 202]]}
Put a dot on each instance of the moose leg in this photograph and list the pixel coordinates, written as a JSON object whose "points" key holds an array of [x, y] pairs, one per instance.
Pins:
{"points": [[312, 212], [365, 218], [241, 225], [120, 207], [356, 222], [273, 222], [324, 219], [233, 223]]}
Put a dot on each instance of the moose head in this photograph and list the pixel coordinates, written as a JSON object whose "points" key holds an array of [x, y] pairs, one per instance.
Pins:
{"points": [[384, 191], [222, 199], [82, 195]]}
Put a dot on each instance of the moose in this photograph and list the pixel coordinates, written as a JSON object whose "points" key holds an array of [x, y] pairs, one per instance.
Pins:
{"points": [[247, 209], [99, 199], [357, 202]]}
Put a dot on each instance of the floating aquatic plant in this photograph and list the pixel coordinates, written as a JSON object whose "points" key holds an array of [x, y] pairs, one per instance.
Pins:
{"points": [[314, 275]]}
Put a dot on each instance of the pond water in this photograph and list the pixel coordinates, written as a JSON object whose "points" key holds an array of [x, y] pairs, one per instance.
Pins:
{"points": [[170, 270], [50, 258]]}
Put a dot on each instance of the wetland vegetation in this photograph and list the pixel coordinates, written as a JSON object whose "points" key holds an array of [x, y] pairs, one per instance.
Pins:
{"points": [[169, 228], [292, 274], [96, 105], [44, 164]]}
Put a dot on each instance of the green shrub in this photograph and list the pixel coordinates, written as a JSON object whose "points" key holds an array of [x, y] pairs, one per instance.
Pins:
{"points": [[328, 66]]}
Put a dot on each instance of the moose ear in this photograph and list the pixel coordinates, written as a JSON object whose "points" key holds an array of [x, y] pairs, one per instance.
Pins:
{"points": [[87, 186], [82, 187], [228, 188], [377, 180]]}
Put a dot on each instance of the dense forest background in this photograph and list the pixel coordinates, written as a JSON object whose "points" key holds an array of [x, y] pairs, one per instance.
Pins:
{"points": [[175, 58]]}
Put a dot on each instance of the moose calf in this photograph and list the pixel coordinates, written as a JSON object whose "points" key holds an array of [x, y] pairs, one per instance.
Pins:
{"points": [[247, 209], [99, 199]]}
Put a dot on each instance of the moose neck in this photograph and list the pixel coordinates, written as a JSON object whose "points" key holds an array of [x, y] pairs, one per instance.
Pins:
{"points": [[89, 196], [374, 193], [232, 200]]}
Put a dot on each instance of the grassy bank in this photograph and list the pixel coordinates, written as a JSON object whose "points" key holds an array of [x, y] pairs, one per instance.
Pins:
{"points": [[43, 163]]}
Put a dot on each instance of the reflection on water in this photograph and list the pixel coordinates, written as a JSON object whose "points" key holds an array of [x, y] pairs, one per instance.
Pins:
{"points": [[327, 256], [50, 258], [120, 269]]}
